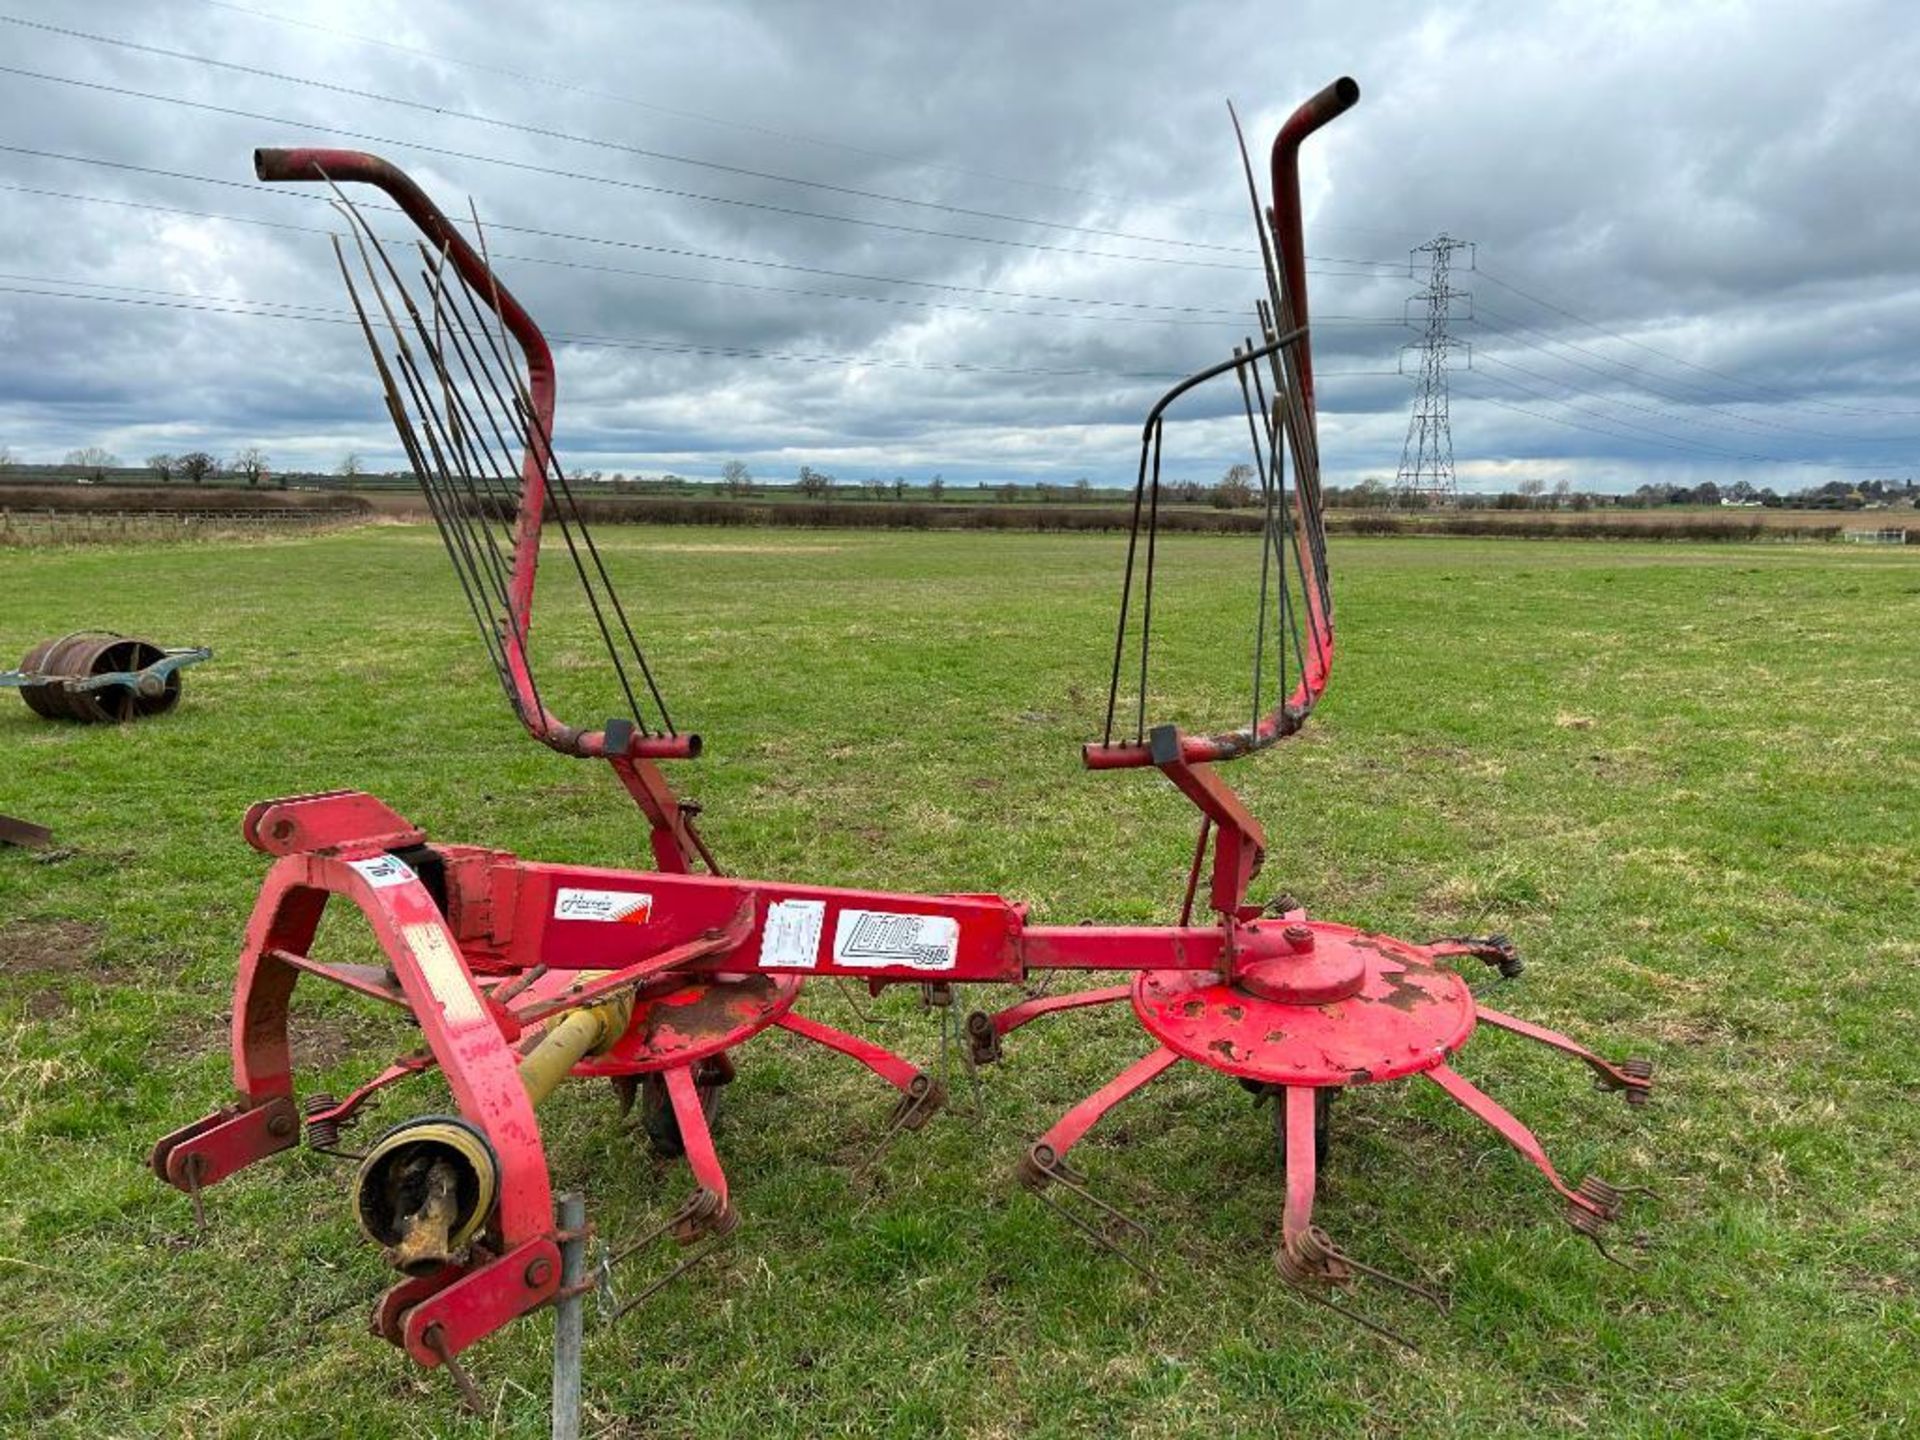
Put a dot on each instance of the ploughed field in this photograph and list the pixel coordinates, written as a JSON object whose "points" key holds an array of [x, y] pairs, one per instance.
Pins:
{"points": [[1686, 779]]}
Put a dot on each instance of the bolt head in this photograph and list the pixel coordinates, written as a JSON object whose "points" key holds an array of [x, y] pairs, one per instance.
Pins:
{"points": [[280, 1126], [1301, 935], [539, 1270]]}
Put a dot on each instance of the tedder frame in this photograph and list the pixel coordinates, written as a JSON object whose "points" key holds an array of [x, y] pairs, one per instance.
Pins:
{"points": [[520, 973]]}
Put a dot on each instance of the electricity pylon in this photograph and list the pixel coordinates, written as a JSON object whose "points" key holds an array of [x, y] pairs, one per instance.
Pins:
{"points": [[1426, 460]]}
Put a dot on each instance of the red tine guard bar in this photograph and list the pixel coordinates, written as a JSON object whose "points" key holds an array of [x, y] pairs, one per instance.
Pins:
{"points": [[1331, 103], [357, 167], [1328, 105]]}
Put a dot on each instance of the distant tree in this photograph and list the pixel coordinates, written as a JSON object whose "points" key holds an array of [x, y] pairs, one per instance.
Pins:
{"points": [[815, 484], [1235, 488], [899, 487], [351, 467], [1531, 490], [735, 476], [251, 464], [1008, 491], [1083, 489], [196, 467], [94, 461], [1370, 494], [936, 488], [163, 466], [6, 458], [1562, 489]]}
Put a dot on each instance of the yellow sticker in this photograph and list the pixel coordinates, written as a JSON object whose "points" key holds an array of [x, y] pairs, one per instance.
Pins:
{"points": [[445, 973]]}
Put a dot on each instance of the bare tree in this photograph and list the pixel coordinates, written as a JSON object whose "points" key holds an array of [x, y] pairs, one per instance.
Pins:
{"points": [[250, 463], [350, 467], [1531, 491], [196, 467], [6, 458], [1083, 489], [936, 487], [163, 466], [735, 477], [1235, 487], [814, 484], [94, 461], [1562, 490]]}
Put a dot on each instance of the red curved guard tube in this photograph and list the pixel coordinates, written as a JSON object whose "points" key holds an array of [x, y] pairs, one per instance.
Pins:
{"points": [[358, 167], [1317, 660], [1338, 98]]}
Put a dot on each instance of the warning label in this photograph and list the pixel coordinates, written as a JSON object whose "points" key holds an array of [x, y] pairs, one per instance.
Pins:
{"points": [[882, 939], [790, 940]]}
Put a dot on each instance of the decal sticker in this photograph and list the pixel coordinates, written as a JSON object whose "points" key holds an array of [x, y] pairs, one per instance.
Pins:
{"points": [[382, 871], [446, 974], [790, 940], [881, 939], [614, 907]]}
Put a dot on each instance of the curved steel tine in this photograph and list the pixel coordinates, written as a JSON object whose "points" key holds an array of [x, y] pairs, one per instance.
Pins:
{"points": [[1347, 1312]]}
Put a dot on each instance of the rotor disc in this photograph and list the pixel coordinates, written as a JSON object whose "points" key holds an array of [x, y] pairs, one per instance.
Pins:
{"points": [[695, 1020], [1408, 1015]]}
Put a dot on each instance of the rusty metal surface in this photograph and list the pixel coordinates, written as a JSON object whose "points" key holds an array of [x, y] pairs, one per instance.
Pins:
{"points": [[1408, 1015], [98, 677], [691, 1022], [24, 833], [1293, 1008]]}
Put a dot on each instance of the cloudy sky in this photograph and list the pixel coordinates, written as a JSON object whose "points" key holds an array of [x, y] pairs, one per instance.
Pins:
{"points": [[979, 239]]}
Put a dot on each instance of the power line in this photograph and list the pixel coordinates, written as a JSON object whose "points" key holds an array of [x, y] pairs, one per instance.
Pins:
{"points": [[58, 288], [643, 152], [1515, 330], [1753, 385], [1652, 436], [614, 181], [747, 127], [311, 196], [1487, 359], [1233, 323]]}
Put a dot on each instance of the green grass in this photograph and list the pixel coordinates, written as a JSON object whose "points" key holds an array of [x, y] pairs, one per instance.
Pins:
{"points": [[1685, 778]]}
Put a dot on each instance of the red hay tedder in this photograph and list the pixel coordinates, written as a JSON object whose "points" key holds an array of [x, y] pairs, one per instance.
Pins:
{"points": [[520, 974]]}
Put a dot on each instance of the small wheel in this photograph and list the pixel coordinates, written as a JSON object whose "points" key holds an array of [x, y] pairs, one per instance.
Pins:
{"points": [[1322, 1123], [710, 1076]]}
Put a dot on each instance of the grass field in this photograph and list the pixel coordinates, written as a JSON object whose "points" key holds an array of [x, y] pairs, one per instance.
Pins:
{"points": [[1686, 779]]}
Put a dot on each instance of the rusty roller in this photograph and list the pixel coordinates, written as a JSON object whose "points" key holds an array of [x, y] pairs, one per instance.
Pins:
{"points": [[98, 677]]}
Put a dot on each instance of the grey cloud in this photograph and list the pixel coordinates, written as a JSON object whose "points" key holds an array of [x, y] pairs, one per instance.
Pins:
{"points": [[1724, 183]]}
